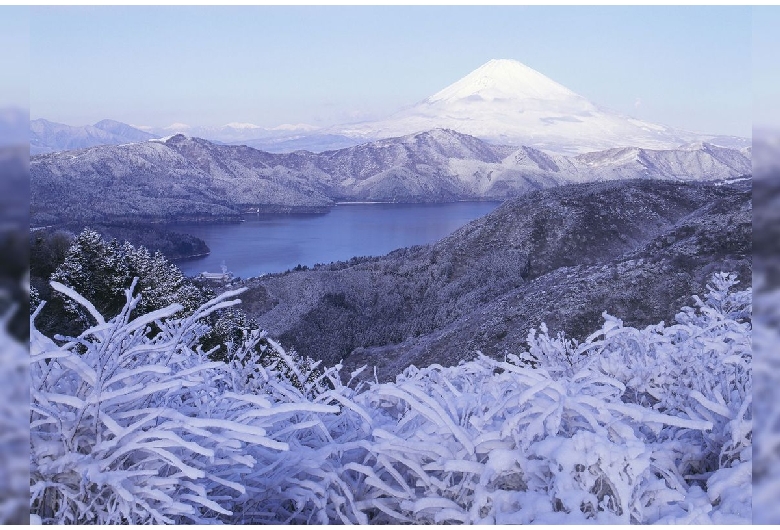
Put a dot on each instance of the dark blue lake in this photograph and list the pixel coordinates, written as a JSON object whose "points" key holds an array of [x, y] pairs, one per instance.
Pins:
{"points": [[265, 244]]}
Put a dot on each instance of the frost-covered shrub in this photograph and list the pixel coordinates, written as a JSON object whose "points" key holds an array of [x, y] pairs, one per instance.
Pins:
{"points": [[309, 485], [492, 442], [629, 426], [14, 432], [125, 428], [559, 354], [700, 367]]}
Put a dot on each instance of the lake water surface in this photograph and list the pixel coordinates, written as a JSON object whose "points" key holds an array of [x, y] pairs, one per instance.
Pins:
{"points": [[276, 243]]}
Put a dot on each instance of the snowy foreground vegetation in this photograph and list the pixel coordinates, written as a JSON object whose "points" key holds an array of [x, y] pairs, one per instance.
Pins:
{"points": [[766, 388], [131, 422], [14, 433]]}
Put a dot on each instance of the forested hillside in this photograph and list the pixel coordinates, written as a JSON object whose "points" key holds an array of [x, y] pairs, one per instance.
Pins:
{"points": [[184, 178], [637, 249]]}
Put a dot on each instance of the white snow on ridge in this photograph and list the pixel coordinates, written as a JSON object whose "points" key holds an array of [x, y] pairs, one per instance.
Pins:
{"points": [[163, 139], [237, 125], [305, 127]]}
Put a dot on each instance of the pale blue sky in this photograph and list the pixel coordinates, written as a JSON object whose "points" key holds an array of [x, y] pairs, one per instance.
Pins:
{"points": [[689, 67], [15, 56]]}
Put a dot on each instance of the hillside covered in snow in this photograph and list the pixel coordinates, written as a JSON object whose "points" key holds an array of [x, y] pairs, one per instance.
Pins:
{"points": [[637, 249], [190, 178]]}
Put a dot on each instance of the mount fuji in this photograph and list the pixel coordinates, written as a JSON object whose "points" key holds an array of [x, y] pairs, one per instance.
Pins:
{"points": [[506, 102]]}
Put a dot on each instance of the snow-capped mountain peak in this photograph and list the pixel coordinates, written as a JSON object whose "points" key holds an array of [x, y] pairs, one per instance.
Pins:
{"points": [[47, 136], [503, 79], [506, 102]]}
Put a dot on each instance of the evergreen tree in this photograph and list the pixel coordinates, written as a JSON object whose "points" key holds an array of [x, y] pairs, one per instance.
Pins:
{"points": [[96, 268], [160, 283], [102, 270]]}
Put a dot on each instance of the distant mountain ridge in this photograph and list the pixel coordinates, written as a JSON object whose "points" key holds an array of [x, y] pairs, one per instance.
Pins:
{"points": [[48, 137], [190, 178], [503, 102]]}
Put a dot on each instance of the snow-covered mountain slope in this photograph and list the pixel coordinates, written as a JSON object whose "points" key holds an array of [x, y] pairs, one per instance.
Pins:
{"points": [[638, 248], [48, 137], [180, 178], [191, 177], [506, 102], [700, 161]]}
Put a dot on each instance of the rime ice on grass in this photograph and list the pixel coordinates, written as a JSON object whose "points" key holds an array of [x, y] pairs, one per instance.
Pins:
{"points": [[633, 425]]}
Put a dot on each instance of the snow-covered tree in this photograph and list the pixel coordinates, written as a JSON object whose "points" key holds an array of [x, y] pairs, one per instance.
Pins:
{"points": [[95, 268], [160, 283], [101, 270]]}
